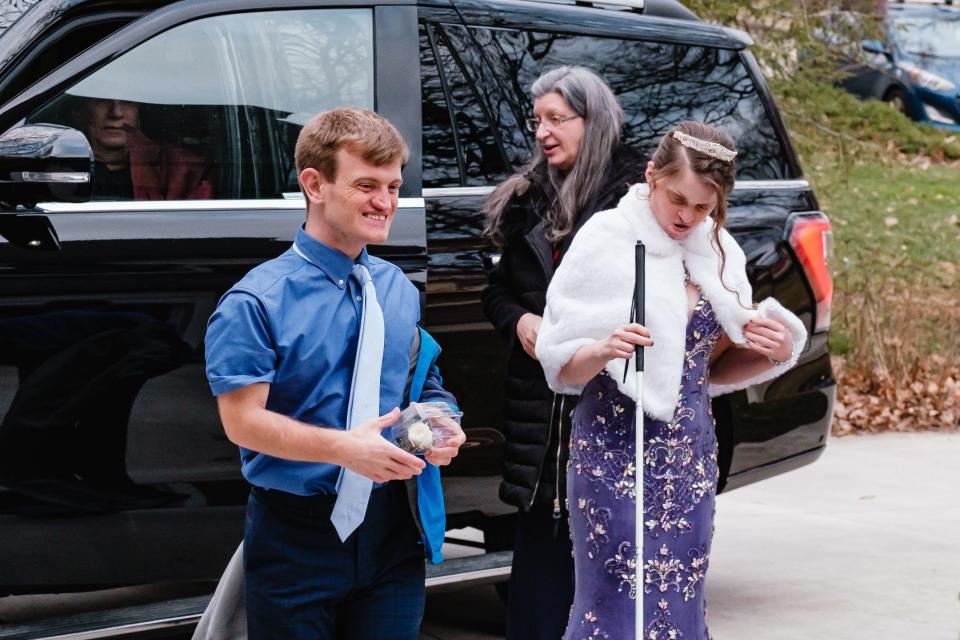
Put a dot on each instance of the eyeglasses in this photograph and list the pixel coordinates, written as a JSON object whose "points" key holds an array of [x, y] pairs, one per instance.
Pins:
{"points": [[552, 123]]}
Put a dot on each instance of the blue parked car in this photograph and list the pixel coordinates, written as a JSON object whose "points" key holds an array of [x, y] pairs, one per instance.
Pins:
{"points": [[916, 68]]}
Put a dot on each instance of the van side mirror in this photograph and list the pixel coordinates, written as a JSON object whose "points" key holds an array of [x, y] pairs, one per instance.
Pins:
{"points": [[875, 46], [44, 163]]}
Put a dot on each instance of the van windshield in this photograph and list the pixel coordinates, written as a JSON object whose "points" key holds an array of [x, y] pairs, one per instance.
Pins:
{"points": [[923, 36]]}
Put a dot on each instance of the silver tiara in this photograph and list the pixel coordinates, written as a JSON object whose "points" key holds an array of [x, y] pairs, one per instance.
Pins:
{"points": [[712, 149]]}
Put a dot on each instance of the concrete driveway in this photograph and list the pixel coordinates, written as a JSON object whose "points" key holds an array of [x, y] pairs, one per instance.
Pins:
{"points": [[862, 545]]}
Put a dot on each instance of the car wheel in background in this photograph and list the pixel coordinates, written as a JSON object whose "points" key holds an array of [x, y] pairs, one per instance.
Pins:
{"points": [[897, 99]]}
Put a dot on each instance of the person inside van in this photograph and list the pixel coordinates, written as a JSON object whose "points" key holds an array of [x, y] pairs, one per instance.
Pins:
{"points": [[128, 165], [578, 167]]}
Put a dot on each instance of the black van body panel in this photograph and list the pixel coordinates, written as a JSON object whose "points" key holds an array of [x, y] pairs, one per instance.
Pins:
{"points": [[113, 466]]}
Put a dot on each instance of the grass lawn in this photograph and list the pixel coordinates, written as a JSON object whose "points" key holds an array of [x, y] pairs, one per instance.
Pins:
{"points": [[896, 229], [896, 310], [893, 216]]}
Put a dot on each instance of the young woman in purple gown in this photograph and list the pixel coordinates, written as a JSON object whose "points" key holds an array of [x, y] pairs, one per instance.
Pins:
{"points": [[703, 336]]}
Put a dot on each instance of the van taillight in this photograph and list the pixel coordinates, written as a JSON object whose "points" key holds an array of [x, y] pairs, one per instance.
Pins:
{"points": [[812, 240]]}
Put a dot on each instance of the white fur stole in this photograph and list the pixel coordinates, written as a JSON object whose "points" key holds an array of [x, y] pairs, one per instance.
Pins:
{"points": [[591, 293]]}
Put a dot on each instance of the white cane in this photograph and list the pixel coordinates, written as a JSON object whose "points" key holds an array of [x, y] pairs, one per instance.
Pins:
{"points": [[638, 317]]}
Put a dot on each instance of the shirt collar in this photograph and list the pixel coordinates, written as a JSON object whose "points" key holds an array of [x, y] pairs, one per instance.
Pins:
{"points": [[334, 264]]}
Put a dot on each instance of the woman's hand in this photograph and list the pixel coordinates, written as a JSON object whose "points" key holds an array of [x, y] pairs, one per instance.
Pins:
{"points": [[527, 330], [623, 342], [769, 338], [590, 359]]}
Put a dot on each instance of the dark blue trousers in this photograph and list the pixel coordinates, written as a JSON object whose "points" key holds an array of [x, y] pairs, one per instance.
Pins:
{"points": [[302, 582]]}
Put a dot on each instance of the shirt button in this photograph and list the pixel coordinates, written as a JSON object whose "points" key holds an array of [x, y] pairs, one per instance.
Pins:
{"points": [[340, 282], [359, 298]]}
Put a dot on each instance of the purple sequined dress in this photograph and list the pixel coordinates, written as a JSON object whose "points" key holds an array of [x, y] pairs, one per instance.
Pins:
{"points": [[680, 485]]}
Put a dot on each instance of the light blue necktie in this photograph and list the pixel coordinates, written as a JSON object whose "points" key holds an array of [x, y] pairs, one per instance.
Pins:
{"points": [[353, 489]]}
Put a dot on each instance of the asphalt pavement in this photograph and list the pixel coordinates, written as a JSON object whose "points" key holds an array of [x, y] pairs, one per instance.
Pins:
{"points": [[864, 544]]}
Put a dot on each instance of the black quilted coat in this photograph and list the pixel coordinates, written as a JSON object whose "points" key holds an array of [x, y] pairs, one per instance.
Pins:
{"points": [[537, 439]]}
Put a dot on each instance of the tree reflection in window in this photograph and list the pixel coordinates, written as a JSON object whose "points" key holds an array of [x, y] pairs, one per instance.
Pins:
{"points": [[658, 85], [481, 118], [442, 166], [219, 111]]}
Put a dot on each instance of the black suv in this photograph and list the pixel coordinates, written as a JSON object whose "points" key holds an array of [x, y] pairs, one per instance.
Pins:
{"points": [[114, 468]]}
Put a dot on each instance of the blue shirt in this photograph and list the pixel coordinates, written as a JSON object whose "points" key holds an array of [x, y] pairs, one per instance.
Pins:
{"points": [[293, 322]]}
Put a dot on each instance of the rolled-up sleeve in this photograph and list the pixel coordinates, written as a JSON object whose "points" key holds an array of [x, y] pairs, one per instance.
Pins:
{"points": [[240, 349], [433, 390]]}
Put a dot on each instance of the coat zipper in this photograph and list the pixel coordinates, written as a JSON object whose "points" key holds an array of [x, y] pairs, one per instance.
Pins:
{"points": [[536, 485], [556, 495], [543, 254]]}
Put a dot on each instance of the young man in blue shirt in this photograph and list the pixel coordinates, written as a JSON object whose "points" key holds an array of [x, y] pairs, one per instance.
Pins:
{"points": [[331, 548]]}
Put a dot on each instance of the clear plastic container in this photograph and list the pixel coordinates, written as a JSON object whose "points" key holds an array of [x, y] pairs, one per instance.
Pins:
{"points": [[424, 425]]}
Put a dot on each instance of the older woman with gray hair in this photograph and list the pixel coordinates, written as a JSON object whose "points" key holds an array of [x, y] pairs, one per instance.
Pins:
{"points": [[578, 168]]}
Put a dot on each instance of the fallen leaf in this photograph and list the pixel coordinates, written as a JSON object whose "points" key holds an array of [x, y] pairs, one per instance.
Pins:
{"points": [[871, 401]]}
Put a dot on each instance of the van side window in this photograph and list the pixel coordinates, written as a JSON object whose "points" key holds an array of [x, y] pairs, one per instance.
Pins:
{"points": [[53, 50], [658, 85], [478, 120], [680, 83], [490, 62], [442, 165], [213, 108]]}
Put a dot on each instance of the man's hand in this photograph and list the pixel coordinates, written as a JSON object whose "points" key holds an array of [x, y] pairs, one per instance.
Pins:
{"points": [[527, 330], [365, 451], [447, 447]]}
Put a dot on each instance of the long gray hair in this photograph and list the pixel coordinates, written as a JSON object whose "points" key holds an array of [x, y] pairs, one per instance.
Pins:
{"points": [[590, 98]]}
